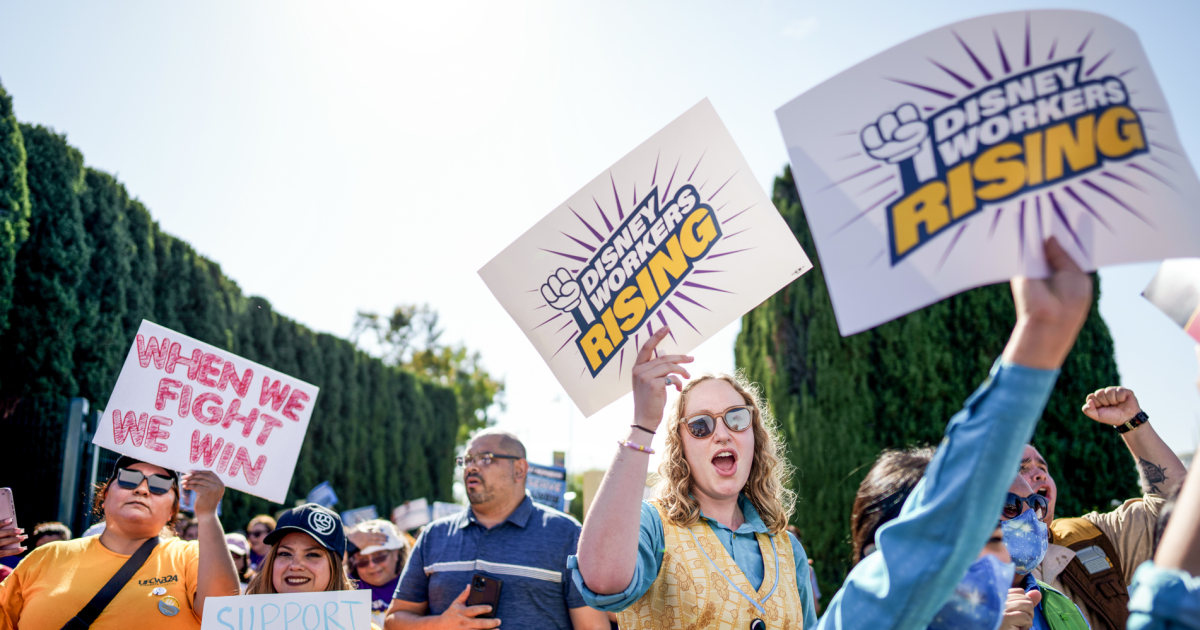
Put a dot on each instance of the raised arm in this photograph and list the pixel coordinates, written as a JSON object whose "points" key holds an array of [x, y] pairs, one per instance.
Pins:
{"points": [[216, 575], [1160, 470], [608, 545], [923, 554]]}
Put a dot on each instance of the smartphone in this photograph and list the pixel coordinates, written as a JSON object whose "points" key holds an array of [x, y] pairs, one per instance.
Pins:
{"points": [[484, 590], [8, 510]]}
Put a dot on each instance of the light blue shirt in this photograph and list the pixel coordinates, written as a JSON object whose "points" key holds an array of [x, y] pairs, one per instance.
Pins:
{"points": [[922, 554], [1164, 599], [740, 544]]}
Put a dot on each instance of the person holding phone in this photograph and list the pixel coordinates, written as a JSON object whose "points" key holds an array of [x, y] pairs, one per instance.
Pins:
{"points": [[168, 589], [502, 537]]}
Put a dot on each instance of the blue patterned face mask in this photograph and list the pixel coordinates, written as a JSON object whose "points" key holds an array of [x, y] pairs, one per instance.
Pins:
{"points": [[1026, 538], [978, 600]]}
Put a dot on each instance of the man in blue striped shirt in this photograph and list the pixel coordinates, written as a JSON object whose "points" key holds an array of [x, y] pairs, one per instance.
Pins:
{"points": [[505, 536]]}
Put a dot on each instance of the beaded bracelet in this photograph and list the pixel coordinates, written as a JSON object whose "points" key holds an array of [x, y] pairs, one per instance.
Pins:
{"points": [[637, 447]]}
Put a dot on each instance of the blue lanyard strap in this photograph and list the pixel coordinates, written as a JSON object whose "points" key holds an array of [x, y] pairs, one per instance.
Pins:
{"points": [[753, 602]]}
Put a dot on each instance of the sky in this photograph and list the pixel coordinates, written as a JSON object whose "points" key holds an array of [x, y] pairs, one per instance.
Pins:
{"points": [[337, 157]]}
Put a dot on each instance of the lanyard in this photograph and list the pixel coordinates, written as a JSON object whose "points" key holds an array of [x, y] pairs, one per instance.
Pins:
{"points": [[753, 602]]}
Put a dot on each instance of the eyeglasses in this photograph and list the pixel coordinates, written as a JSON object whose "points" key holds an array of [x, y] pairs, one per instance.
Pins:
{"points": [[379, 557], [130, 479], [259, 533], [483, 459], [736, 418], [1036, 502]]}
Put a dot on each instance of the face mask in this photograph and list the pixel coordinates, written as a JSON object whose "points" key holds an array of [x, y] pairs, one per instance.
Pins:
{"points": [[1027, 540], [978, 600]]}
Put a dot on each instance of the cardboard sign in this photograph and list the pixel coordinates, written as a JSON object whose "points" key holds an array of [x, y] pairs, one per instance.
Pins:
{"points": [[442, 509], [1175, 290], [322, 494], [944, 163], [185, 405], [350, 518], [547, 485], [677, 233], [325, 609], [411, 515]]}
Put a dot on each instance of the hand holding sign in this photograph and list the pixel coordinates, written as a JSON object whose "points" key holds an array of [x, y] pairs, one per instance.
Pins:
{"points": [[1050, 312], [651, 377]]}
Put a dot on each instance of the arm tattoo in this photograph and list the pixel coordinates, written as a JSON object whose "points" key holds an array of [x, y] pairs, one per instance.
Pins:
{"points": [[1152, 476]]}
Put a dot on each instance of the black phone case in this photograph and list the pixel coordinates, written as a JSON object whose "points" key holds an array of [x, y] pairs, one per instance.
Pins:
{"points": [[487, 593]]}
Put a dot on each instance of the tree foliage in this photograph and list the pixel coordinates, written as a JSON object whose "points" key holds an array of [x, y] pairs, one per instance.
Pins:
{"points": [[82, 263], [841, 400], [410, 337]]}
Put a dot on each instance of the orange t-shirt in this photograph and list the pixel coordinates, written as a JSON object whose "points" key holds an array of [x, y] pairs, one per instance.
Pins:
{"points": [[57, 580]]}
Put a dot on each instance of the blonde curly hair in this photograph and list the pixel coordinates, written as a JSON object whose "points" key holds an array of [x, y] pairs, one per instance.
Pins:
{"points": [[766, 487]]}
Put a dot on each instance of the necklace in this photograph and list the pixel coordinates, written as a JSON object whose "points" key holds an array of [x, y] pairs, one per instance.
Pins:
{"points": [[756, 624]]}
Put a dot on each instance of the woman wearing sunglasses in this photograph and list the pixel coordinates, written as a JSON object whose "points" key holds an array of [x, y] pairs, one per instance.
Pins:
{"points": [[139, 501], [712, 546]]}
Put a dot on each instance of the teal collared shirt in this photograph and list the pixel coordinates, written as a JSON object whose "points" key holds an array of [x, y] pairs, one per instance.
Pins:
{"points": [[740, 544]]}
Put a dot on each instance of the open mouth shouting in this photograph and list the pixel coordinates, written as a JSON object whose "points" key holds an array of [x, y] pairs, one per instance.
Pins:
{"points": [[725, 462]]}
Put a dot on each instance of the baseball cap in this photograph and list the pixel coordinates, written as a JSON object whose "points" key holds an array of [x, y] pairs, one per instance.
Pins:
{"points": [[323, 524], [237, 543], [380, 526]]}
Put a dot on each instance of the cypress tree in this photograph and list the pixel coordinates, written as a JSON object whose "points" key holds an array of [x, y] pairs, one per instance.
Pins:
{"points": [[14, 202], [840, 401]]}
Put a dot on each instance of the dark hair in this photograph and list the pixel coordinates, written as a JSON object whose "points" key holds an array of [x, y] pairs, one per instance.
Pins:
{"points": [[883, 492], [51, 528]]}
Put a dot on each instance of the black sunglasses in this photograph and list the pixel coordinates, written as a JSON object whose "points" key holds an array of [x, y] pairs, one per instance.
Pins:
{"points": [[736, 418], [1036, 502], [130, 479]]}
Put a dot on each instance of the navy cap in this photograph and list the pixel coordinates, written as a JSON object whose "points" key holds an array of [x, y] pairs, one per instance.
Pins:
{"points": [[126, 461], [317, 521]]}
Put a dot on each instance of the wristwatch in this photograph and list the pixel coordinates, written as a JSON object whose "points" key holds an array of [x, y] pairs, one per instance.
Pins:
{"points": [[1133, 423]]}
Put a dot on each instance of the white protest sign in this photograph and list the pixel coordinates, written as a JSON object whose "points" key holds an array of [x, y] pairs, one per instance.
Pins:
{"points": [[943, 164], [325, 609], [411, 515], [185, 405], [1175, 290], [677, 233]]}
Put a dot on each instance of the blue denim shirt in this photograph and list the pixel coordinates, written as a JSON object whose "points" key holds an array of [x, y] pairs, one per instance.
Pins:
{"points": [[741, 545], [1164, 599], [922, 554]]}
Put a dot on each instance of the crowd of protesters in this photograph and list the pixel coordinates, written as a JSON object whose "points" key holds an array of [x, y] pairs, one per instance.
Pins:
{"points": [[963, 536]]}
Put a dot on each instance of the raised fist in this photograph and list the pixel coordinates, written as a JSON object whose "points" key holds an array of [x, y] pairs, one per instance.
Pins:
{"points": [[896, 136], [1111, 405], [561, 291]]}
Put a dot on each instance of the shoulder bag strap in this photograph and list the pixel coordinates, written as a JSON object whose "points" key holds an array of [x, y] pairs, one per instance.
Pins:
{"points": [[89, 613]]}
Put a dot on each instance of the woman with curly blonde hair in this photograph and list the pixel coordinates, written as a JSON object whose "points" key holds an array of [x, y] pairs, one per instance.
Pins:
{"points": [[711, 549]]}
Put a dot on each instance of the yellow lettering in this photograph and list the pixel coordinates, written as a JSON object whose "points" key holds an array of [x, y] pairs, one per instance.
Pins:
{"points": [[1004, 174], [610, 324], [670, 260], [1118, 132], [647, 288], [697, 232], [927, 207], [1076, 146], [1033, 158], [629, 308], [596, 346], [962, 190]]}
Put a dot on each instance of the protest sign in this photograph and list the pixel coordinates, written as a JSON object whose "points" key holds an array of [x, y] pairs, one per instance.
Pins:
{"points": [[943, 163], [322, 494], [350, 518], [325, 609], [1175, 290], [411, 515], [442, 509], [677, 233], [547, 485], [185, 405]]}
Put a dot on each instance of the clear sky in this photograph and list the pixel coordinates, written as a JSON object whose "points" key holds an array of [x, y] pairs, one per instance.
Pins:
{"points": [[341, 156]]}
